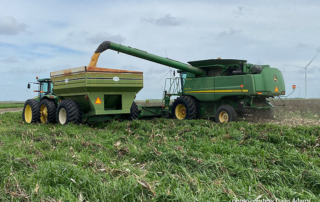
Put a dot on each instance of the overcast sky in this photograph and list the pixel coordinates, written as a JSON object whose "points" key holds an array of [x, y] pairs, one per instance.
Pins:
{"points": [[53, 35]]}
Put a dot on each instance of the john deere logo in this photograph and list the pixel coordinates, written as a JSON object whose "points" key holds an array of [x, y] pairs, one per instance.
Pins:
{"points": [[275, 79]]}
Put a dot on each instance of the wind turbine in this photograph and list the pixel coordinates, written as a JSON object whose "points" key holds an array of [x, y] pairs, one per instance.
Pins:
{"points": [[305, 72]]}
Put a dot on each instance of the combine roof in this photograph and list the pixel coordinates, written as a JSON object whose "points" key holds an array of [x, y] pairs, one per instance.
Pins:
{"points": [[213, 62]]}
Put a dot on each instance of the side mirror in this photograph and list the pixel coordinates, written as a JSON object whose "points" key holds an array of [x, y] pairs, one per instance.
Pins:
{"points": [[29, 85]]}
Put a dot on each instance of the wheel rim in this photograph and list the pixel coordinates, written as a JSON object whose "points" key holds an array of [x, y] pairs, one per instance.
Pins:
{"points": [[180, 111], [223, 117], [43, 114], [62, 116], [28, 114]]}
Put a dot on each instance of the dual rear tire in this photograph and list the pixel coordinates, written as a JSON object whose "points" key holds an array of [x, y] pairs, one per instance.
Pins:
{"points": [[68, 111], [45, 112], [34, 112]]}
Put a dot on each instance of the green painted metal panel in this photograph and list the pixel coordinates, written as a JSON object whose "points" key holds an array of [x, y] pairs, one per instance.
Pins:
{"points": [[201, 88], [147, 56], [226, 86], [269, 80], [214, 62], [43, 79], [151, 111], [115, 89]]}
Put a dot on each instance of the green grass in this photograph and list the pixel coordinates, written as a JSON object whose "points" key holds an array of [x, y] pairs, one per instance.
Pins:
{"points": [[11, 105], [157, 160]]}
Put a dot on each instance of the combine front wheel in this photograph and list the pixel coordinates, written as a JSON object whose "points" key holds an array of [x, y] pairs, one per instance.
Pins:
{"points": [[47, 111], [225, 114], [184, 107], [69, 111], [30, 113]]}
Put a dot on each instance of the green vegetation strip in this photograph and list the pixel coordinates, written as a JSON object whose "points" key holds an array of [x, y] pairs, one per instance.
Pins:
{"points": [[157, 160], [11, 105]]}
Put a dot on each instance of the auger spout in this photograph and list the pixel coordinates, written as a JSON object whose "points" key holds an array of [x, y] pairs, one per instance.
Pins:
{"points": [[143, 55]]}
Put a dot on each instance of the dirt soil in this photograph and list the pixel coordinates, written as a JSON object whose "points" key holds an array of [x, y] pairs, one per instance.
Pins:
{"points": [[10, 110], [295, 112], [301, 106]]}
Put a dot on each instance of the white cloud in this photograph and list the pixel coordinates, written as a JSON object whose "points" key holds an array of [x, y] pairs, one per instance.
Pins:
{"points": [[148, 19], [167, 20], [9, 26], [231, 32], [10, 59], [101, 37]]}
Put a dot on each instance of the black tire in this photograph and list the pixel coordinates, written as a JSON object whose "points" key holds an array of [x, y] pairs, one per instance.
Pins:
{"points": [[134, 112], [32, 106], [69, 111], [229, 111], [51, 111], [235, 114], [184, 107]]}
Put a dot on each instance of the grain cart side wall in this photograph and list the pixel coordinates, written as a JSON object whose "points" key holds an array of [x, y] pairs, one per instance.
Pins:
{"points": [[99, 91]]}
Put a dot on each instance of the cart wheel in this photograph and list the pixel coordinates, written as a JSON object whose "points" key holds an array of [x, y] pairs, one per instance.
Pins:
{"points": [[134, 112], [69, 111]]}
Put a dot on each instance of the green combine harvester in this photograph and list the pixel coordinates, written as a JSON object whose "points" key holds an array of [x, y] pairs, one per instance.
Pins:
{"points": [[215, 88]]}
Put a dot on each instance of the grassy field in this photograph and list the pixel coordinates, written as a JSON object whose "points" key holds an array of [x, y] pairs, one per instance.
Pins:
{"points": [[11, 104], [157, 160]]}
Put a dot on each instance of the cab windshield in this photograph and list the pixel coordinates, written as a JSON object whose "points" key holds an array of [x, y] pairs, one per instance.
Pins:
{"points": [[183, 76], [45, 87]]}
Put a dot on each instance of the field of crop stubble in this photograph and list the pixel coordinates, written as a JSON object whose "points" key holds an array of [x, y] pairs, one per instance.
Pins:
{"points": [[163, 159]]}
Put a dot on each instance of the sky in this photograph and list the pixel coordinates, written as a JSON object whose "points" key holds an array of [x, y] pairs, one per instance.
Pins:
{"points": [[38, 37]]}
